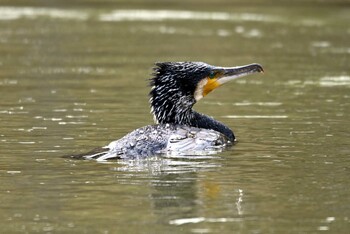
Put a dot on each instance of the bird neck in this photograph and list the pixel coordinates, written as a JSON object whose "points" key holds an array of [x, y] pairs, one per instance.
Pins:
{"points": [[181, 113], [204, 121], [174, 108]]}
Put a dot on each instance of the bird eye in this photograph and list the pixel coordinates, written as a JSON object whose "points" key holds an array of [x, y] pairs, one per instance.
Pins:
{"points": [[212, 75]]}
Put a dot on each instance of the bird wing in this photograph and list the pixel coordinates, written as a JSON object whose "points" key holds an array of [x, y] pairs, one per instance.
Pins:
{"points": [[195, 141], [141, 143], [166, 139]]}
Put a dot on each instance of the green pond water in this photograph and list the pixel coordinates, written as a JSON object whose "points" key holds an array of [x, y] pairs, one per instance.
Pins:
{"points": [[74, 76]]}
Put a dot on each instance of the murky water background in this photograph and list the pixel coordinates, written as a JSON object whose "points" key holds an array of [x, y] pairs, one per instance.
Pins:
{"points": [[74, 76]]}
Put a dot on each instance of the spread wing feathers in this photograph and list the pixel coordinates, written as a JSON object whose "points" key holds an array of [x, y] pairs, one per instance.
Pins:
{"points": [[163, 139]]}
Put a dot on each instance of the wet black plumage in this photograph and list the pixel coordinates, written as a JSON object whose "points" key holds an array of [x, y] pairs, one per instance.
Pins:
{"points": [[179, 130]]}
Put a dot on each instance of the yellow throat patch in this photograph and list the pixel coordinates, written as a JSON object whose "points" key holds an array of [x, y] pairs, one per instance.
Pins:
{"points": [[210, 86]]}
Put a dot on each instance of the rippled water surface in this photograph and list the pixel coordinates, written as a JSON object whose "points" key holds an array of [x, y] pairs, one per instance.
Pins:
{"points": [[75, 76]]}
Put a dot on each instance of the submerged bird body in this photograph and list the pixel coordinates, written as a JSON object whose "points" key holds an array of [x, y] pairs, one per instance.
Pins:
{"points": [[179, 130], [161, 139]]}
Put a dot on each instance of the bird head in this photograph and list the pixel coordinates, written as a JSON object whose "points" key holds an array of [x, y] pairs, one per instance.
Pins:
{"points": [[177, 86]]}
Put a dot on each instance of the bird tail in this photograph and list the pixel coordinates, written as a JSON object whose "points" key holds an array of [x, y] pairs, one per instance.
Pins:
{"points": [[93, 154]]}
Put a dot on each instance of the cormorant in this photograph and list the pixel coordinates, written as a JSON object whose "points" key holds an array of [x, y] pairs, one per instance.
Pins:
{"points": [[179, 130]]}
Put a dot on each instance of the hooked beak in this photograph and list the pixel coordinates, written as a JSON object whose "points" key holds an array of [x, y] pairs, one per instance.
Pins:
{"points": [[232, 73], [226, 74]]}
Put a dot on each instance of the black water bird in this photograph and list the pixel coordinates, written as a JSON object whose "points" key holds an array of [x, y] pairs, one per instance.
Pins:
{"points": [[179, 130]]}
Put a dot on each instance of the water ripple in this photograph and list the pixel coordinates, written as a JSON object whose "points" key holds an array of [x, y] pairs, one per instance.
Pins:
{"points": [[161, 15], [14, 13], [255, 116], [326, 81], [203, 219], [329, 81]]}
